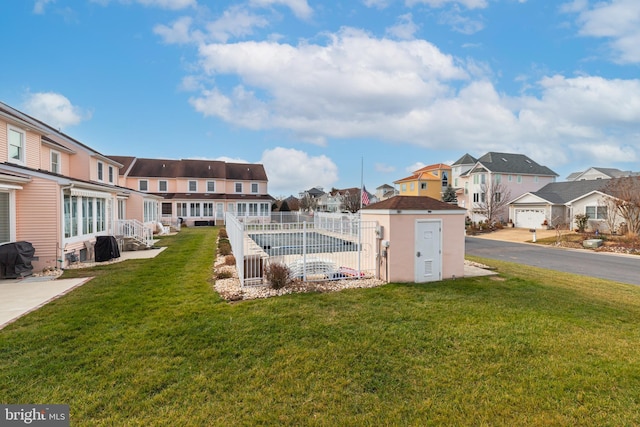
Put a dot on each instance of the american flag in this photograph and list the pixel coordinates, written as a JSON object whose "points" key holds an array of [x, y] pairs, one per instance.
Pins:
{"points": [[365, 196]]}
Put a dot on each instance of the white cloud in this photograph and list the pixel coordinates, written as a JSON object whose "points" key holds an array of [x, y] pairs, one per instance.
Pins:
{"points": [[235, 22], [300, 8], [616, 20], [469, 4], [163, 4], [289, 170], [38, 7], [414, 167], [54, 109], [356, 86], [405, 28], [179, 32]]}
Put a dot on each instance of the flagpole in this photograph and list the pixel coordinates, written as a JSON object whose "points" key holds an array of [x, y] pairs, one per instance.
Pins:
{"points": [[360, 214]]}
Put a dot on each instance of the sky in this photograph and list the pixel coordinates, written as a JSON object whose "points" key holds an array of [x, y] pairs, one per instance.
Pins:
{"points": [[332, 93]]}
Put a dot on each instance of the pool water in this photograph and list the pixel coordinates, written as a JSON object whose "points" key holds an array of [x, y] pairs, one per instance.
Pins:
{"points": [[276, 244]]}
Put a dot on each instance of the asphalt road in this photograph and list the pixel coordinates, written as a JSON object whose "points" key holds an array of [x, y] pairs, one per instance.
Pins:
{"points": [[620, 268]]}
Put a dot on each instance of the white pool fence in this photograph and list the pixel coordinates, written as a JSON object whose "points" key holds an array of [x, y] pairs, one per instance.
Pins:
{"points": [[313, 247]]}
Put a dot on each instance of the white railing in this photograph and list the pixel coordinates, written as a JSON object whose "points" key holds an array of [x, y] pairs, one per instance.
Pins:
{"points": [[135, 230], [316, 250]]}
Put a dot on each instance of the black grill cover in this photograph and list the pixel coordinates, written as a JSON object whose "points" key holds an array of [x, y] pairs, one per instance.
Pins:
{"points": [[15, 260], [106, 248]]}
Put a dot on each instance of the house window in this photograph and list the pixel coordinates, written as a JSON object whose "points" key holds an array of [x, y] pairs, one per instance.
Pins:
{"points": [[483, 179], [403, 187], [195, 209], [475, 179], [483, 197], [55, 161], [207, 209], [519, 179], [242, 209], [253, 209], [122, 209], [211, 186], [596, 212], [254, 187], [466, 188], [264, 209], [100, 215], [70, 216], [445, 179], [193, 186], [510, 178], [17, 139], [423, 185], [111, 176], [143, 185], [150, 213], [411, 186], [455, 182], [238, 187], [167, 209], [162, 186], [5, 218], [87, 215], [476, 197], [497, 197], [100, 171], [181, 209], [498, 178]]}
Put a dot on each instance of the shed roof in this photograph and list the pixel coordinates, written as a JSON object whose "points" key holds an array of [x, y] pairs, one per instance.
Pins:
{"points": [[413, 203]]}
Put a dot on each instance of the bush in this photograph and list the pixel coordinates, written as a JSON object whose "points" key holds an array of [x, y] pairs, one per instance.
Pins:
{"points": [[224, 274], [581, 221], [277, 274], [230, 260], [223, 233], [224, 248]]}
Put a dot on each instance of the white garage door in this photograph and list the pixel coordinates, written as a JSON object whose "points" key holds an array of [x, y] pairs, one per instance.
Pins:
{"points": [[529, 218]]}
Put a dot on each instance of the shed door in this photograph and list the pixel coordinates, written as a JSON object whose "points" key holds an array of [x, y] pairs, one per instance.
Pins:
{"points": [[428, 251]]}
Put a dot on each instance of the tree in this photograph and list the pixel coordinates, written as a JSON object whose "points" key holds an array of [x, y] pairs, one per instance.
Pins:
{"points": [[611, 218], [308, 203], [626, 193], [449, 195], [494, 198], [351, 201]]}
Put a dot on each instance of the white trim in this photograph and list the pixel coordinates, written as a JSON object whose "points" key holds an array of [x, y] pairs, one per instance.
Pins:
{"points": [[10, 187], [88, 193]]}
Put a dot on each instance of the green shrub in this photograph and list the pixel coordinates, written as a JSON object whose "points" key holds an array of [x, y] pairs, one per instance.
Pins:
{"points": [[224, 248], [223, 233], [278, 275]]}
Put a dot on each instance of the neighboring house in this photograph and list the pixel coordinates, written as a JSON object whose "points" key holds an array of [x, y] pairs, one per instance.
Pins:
{"points": [[509, 175], [385, 191], [556, 204], [459, 168], [341, 200], [55, 192], [600, 173], [199, 192], [314, 192], [429, 181]]}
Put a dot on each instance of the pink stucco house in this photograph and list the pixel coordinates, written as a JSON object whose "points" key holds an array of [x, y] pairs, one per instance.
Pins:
{"points": [[422, 239]]}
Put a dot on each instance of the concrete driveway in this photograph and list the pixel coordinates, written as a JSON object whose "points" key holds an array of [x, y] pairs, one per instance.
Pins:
{"points": [[22, 296], [521, 235]]}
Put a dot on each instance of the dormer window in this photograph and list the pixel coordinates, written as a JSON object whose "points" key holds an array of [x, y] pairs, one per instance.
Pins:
{"points": [[143, 185], [193, 186], [100, 171]]}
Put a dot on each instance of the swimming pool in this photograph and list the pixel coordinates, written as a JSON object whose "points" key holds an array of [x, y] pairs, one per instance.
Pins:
{"points": [[292, 243]]}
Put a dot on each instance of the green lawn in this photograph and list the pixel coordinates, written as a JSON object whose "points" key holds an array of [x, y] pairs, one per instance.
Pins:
{"points": [[148, 343]]}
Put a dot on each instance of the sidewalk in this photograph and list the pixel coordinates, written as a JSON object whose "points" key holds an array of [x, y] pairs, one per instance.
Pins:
{"points": [[22, 296]]}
